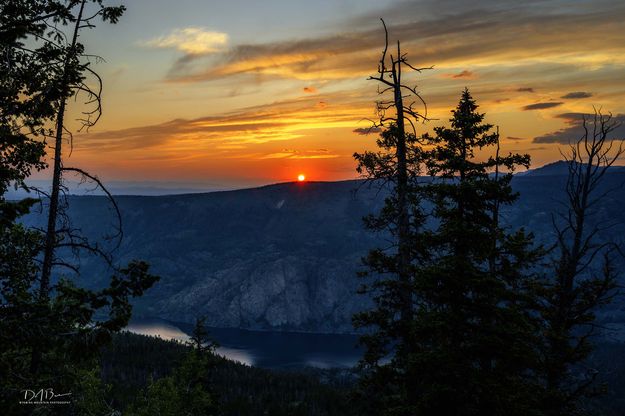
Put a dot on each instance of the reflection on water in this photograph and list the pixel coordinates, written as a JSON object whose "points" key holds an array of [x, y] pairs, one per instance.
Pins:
{"points": [[164, 330], [242, 356], [265, 348], [157, 329]]}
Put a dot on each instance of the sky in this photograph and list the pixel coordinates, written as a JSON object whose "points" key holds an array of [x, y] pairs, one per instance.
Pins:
{"points": [[241, 93]]}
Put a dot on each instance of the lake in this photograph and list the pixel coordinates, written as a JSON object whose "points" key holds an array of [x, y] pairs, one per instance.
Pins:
{"points": [[267, 349]]}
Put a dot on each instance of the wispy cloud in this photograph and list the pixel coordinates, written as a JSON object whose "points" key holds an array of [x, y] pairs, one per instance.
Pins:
{"points": [[462, 74], [576, 95], [301, 154], [463, 33], [363, 131], [191, 40], [515, 57], [541, 106], [575, 129], [231, 132]]}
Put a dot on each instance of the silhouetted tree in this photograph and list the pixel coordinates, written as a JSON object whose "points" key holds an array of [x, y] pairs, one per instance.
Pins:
{"points": [[475, 327], [48, 337], [584, 276], [28, 95], [453, 329], [396, 166], [74, 68], [63, 331], [200, 339], [188, 390]]}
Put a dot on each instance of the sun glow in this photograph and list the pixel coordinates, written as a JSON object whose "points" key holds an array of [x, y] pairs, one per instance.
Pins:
{"points": [[301, 177]]}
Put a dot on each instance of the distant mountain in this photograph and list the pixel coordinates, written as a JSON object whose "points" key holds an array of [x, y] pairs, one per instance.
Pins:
{"points": [[282, 256], [151, 188], [561, 168], [285, 256]]}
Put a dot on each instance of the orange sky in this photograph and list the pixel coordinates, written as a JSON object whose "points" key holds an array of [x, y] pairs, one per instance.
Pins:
{"points": [[247, 95]]}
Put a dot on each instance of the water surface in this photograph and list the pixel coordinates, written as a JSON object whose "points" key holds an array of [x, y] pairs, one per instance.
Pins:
{"points": [[268, 349]]}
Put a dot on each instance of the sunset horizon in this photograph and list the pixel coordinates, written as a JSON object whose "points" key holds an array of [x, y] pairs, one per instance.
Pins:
{"points": [[205, 95]]}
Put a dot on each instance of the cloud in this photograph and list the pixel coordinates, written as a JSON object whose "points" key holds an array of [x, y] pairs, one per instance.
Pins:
{"points": [[576, 94], [180, 130], [191, 41], [541, 106], [463, 74], [575, 128], [516, 139], [492, 32], [278, 121], [310, 90], [367, 130], [517, 48], [300, 154]]}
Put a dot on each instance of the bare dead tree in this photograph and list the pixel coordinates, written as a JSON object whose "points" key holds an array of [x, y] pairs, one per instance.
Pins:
{"points": [[405, 108], [73, 67], [76, 68], [579, 286], [51, 234], [395, 165]]}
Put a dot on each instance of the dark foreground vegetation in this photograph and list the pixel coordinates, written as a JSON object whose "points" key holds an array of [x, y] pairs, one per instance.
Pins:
{"points": [[133, 361]]}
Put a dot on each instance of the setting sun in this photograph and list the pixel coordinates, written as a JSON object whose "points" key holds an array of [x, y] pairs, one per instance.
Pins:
{"points": [[301, 177]]}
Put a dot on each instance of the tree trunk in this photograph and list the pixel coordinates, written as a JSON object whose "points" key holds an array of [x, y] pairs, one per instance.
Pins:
{"points": [[50, 243], [403, 220]]}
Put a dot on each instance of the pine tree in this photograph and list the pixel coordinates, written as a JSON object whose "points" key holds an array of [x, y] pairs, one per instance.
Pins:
{"points": [[188, 390], [470, 340], [475, 323]]}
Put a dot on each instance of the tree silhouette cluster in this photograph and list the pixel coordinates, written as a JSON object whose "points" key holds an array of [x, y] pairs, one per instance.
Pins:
{"points": [[49, 334], [471, 317]]}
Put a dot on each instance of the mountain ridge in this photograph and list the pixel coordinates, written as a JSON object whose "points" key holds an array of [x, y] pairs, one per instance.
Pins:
{"points": [[279, 257]]}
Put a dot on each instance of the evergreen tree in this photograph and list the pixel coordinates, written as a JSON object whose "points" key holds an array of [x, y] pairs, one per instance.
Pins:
{"points": [[64, 330], [476, 328], [28, 95], [471, 339], [200, 340], [188, 390]]}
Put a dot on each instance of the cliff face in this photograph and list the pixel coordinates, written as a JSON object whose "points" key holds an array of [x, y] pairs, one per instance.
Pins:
{"points": [[273, 292], [279, 257]]}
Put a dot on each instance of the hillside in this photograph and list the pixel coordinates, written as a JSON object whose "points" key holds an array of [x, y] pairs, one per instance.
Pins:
{"points": [[283, 256], [130, 361]]}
